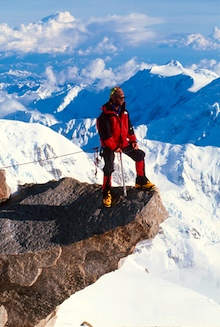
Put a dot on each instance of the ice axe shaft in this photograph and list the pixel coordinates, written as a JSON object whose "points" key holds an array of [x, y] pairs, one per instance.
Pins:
{"points": [[123, 177]]}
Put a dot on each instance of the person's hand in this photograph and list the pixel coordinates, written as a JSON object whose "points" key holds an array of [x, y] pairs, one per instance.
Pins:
{"points": [[134, 145], [118, 150]]}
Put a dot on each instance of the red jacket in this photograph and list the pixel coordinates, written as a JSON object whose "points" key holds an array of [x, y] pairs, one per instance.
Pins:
{"points": [[115, 130]]}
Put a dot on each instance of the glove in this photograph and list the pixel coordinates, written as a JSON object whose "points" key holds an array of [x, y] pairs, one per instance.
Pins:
{"points": [[134, 145]]}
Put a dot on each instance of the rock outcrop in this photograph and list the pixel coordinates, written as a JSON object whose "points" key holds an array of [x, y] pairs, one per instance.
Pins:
{"points": [[56, 239], [5, 190]]}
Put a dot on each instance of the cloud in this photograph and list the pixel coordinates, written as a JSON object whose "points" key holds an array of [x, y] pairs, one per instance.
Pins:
{"points": [[212, 65], [131, 29], [96, 73], [55, 34], [194, 41], [216, 34], [105, 46], [62, 33], [8, 105], [50, 76], [123, 72]]}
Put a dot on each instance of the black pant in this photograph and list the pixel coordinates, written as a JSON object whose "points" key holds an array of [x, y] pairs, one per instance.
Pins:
{"points": [[109, 156]]}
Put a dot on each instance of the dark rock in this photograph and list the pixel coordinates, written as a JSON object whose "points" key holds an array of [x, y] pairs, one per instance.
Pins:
{"points": [[5, 190], [56, 239]]}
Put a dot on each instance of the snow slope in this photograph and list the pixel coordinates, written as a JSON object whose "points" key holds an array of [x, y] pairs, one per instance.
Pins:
{"points": [[33, 153], [179, 268], [132, 297]]}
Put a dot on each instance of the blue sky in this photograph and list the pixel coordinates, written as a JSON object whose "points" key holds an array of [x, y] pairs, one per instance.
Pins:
{"points": [[113, 31]]}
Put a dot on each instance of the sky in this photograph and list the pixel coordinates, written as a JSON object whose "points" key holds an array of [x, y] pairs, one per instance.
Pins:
{"points": [[176, 15], [151, 31]]}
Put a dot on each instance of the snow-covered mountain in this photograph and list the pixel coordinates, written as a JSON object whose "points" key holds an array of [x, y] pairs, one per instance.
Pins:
{"points": [[175, 112], [182, 258], [178, 105], [33, 153]]}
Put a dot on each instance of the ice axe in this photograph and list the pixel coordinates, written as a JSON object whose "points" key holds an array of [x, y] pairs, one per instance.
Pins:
{"points": [[123, 177]]}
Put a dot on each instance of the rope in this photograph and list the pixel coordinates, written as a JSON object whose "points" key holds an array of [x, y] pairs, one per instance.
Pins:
{"points": [[52, 158]]}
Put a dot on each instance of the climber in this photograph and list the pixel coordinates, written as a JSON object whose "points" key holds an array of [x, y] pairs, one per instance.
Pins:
{"points": [[117, 136]]}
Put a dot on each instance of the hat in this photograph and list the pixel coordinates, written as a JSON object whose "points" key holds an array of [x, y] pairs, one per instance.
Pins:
{"points": [[113, 90]]}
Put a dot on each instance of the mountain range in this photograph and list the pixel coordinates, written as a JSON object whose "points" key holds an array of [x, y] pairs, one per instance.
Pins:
{"points": [[177, 105], [49, 131]]}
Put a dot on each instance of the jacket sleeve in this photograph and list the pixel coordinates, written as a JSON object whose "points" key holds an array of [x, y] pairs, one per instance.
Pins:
{"points": [[104, 130]]}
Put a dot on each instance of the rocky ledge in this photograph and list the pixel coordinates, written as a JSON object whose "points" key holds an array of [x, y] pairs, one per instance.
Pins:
{"points": [[57, 238]]}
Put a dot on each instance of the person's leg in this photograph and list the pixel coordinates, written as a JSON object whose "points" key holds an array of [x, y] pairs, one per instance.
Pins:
{"points": [[108, 169], [138, 156], [107, 183]]}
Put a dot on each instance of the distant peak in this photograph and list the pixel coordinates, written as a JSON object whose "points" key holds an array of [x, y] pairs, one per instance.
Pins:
{"points": [[172, 68], [174, 63], [59, 16]]}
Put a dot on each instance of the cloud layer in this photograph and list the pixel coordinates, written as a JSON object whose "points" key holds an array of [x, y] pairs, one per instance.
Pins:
{"points": [[195, 41], [62, 33], [95, 73], [102, 51]]}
